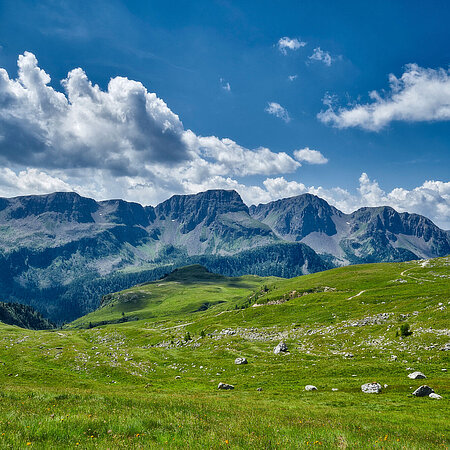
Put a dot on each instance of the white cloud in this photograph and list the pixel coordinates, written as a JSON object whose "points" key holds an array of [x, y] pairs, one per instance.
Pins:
{"points": [[292, 77], [225, 85], [125, 131], [310, 156], [234, 159], [321, 55], [275, 109], [419, 95], [30, 181], [286, 43]]}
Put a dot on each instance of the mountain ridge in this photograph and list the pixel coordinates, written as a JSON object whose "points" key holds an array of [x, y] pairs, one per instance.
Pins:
{"points": [[61, 252]]}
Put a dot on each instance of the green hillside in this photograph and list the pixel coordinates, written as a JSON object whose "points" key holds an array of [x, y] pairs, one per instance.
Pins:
{"points": [[148, 378], [180, 294]]}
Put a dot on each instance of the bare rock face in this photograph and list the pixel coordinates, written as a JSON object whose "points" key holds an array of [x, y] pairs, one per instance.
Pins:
{"points": [[416, 376], [423, 391], [371, 388], [240, 361], [281, 347], [225, 386]]}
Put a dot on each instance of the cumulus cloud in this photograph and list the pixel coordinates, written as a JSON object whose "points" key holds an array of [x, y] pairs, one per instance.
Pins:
{"points": [[292, 77], [286, 43], [125, 130], [30, 181], [275, 109], [310, 156], [321, 55], [235, 159], [119, 129], [419, 95]]}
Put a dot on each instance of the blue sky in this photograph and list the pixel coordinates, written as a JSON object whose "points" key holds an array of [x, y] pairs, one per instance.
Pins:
{"points": [[256, 73]]}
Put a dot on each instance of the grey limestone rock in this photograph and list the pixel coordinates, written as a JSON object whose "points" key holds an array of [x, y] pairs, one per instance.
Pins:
{"points": [[371, 388], [435, 396], [225, 386], [416, 376], [310, 387], [423, 391], [281, 347], [240, 361]]}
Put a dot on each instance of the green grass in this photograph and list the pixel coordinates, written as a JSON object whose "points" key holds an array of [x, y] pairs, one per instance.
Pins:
{"points": [[115, 386]]}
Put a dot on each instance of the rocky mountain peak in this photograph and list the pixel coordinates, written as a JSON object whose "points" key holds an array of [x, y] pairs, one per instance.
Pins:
{"points": [[191, 210], [71, 205], [296, 217]]}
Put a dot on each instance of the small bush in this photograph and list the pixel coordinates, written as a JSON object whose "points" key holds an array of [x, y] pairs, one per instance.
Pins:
{"points": [[187, 336], [404, 330]]}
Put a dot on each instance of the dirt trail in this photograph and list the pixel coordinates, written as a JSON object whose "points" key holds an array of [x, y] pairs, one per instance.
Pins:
{"points": [[357, 295]]}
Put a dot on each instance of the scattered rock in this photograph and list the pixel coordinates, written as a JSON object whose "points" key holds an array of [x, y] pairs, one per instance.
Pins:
{"points": [[446, 347], [377, 319], [371, 388], [348, 355], [385, 386], [310, 387], [281, 347], [228, 332], [334, 389], [225, 386], [259, 389], [178, 377], [423, 391], [435, 396], [240, 361], [416, 376], [394, 358]]}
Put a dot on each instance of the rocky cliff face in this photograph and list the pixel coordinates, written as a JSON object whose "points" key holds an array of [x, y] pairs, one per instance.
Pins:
{"points": [[211, 222], [296, 217], [61, 252]]}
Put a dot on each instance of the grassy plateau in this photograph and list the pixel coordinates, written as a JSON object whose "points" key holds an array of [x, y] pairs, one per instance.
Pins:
{"points": [[142, 371]]}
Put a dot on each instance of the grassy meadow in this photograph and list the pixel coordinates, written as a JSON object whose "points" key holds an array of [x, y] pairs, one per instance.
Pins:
{"points": [[142, 371]]}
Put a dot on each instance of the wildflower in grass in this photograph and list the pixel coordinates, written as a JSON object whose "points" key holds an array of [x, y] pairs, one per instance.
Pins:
{"points": [[28, 443], [226, 441]]}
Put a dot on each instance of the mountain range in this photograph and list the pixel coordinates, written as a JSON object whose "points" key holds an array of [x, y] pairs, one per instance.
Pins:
{"points": [[61, 252]]}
